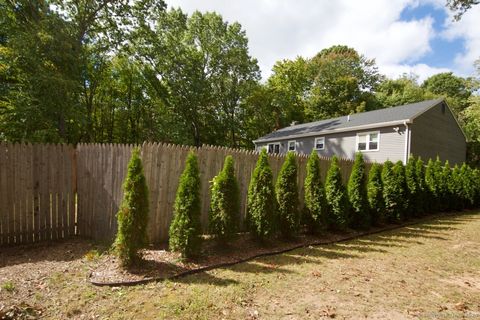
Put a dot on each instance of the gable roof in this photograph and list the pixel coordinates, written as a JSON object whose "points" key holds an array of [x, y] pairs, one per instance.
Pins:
{"points": [[365, 120]]}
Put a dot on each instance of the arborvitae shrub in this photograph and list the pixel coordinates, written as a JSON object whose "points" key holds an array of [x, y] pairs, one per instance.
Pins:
{"points": [[375, 194], [315, 201], [412, 187], [401, 186], [476, 185], [357, 194], [336, 196], [224, 214], [261, 202], [432, 187], [442, 188], [456, 188], [392, 193], [133, 214], [185, 227], [447, 199], [287, 197], [422, 199], [468, 188]]}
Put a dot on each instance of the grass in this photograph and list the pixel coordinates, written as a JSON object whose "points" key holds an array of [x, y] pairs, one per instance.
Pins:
{"points": [[426, 271], [8, 286]]}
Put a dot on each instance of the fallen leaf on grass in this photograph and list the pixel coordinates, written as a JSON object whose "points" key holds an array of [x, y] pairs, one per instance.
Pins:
{"points": [[316, 274], [329, 311], [461, 306]]}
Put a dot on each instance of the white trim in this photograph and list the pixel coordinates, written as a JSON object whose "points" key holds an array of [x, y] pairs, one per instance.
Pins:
{"points": [[294, 145], [407, 142], [367, 141], [315, 143], [325, 132]]}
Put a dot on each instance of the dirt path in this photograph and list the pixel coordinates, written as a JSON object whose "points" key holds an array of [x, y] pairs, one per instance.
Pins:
{"points": [[426, 271]]}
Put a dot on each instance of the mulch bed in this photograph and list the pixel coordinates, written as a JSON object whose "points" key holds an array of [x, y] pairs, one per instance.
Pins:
{"points": [[160, 264]]}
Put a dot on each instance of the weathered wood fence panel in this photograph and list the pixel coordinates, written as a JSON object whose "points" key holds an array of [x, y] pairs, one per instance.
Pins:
{"points": [[36, 193], [50, 192]]}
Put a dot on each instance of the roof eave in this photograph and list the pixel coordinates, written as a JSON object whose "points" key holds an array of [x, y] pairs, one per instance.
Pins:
{"points": [[325, 132]]}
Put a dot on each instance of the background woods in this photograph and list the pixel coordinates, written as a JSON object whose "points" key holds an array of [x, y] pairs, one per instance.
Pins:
{"points": [[127, 72]]}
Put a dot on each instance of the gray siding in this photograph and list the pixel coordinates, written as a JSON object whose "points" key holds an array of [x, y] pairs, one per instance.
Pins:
{"points": [[391, 145], [437, 133]]}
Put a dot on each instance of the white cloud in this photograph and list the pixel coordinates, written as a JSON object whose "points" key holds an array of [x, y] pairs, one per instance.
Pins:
{"points": [[422, 70], [284, 29], [467, 29]]}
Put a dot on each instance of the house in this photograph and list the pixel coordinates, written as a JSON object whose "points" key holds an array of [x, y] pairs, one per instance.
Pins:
{"points": [[427, 129]]}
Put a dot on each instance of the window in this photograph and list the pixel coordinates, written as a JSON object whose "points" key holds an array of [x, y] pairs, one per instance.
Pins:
{"points": [[368, 141], [320, 143], [292, 145], [274, 147]]}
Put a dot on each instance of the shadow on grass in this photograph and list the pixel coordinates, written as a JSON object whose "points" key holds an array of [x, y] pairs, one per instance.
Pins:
{"points": [[437, 229], [62, 251]]}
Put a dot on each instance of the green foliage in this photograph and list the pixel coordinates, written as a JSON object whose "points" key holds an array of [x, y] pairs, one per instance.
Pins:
{"points": [[261, 201], [432, 184], [287, 197], [394, 185], [454, 88], [456, 188], [316, 208], [342, 82], [375, 194], [447, 198], [399, 91], [185, 227], [133, 214], [224, 214], [357, 194], [421, 202], [337, 197], [413, 193], [468, 194]]}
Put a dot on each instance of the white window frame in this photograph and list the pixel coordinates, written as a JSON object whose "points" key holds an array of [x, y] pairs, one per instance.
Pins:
{"points": [[367, 134], [294, 145], [315, 143], [274, 144]]}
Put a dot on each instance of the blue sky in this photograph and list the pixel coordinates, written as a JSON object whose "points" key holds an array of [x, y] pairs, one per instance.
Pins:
{"points": [[404, 36], [443, 50]]}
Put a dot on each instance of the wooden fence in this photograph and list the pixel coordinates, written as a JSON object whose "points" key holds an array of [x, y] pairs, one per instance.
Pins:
{"points": [[40, 185], [37, 192]]}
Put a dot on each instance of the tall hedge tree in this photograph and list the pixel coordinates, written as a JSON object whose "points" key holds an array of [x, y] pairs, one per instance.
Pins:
{"points": [[401, 187], [375, 194], [392, 193], [133, 214], [412, 186], [432, 186], [185, 227], [261, 201], [315, 202], [287, 197], [337, 197], [456, 187], [447, 199], [422, 193], [357, 194], [466, 174], [224, 214]]}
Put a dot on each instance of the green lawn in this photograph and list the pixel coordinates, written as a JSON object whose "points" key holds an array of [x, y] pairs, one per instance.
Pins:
{"points": [[426, 271]]}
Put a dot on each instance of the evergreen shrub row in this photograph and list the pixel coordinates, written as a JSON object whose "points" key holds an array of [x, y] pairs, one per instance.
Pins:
{"points": [[392, 193]]}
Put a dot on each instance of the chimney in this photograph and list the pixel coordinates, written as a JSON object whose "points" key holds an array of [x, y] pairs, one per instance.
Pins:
{"points": [[294, 123], [348, 118]]}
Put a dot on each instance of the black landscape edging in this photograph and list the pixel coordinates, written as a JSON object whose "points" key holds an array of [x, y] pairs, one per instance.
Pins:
{"points": [[265, 254]]}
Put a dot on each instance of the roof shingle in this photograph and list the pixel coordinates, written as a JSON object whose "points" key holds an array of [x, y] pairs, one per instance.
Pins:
{"points": [[399, 113]]}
